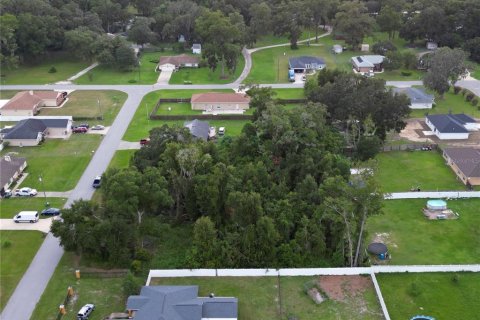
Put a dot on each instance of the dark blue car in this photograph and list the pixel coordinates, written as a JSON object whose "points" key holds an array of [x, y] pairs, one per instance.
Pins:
{"points": [[51, 212]]}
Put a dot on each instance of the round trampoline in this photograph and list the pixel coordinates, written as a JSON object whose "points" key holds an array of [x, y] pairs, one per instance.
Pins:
{"points": [[436, 205], [377, 248], [422, 318]]}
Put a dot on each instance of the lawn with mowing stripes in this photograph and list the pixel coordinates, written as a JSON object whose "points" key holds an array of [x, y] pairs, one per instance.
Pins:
{"points": [[412, 239], [15, 258], [10, 207]]}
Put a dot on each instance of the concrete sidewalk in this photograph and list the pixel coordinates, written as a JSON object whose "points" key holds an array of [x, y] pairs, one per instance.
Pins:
{"points": [[81, 73]]}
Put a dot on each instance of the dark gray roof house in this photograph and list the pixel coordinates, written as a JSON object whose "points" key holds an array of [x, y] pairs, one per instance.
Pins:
{"points": [[198, 129], [450, 123], [26, 129], [304, 63], [179, 303], [10, 168], [419, 99], [465, 162]]}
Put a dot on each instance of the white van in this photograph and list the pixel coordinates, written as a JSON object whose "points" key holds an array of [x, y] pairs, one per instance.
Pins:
{"points": [[26, 216]]}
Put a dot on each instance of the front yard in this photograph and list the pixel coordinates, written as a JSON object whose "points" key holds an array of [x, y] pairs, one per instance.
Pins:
{"points": [[17, 251], [400, 171], [90, 104], [204, 75], [10, 207], [412, 239], [60, 162], [440, 295]]}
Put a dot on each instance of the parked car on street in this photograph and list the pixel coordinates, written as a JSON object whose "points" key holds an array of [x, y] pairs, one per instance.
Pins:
{"points": [[79, 130], [97, 182], [7, 194], [26, 192], [98, 127], [50, 212], [85, 312], [85, 125]]}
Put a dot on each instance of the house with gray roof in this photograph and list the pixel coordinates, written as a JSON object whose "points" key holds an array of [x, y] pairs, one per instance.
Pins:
{"points": [[419, 99], [465, 162], [10, 168], [306, 64], [451, 126], [198, 129], [30, 132], [180, 303], [368, 63]]}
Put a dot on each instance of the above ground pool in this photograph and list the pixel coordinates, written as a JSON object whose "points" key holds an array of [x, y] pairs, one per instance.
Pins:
{"points": [[422, 318], [436, 205]]}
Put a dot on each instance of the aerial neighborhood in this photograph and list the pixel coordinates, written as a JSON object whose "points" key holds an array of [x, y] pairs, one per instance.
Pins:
{"points": [[239, 160]]}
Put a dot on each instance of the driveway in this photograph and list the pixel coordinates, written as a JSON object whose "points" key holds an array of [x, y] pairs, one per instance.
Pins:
{"points": [[164, 76], [127, 145], [42, 225]]}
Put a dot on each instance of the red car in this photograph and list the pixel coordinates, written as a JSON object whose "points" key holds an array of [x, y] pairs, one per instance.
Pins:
{"points": [[79, 130], [144, 142]]}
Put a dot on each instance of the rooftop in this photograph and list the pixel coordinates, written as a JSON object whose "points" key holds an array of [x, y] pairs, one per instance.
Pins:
{"points": [[198, 129], [8, 166], [305, 62], [27, 100], [450, 123], [416, 95], [178, 60], [466, 159], [215, 97], [367, 60], [29, 128]]}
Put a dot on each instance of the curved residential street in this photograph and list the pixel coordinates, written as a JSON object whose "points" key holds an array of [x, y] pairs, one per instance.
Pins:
{"points": [[29, 290]]}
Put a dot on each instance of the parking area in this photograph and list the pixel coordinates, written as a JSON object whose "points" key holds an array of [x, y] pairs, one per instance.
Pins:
{"points": [[42, 225]]}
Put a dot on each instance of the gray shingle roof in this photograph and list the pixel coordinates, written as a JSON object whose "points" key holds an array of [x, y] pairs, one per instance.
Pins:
{"points": [[8, 168], [305, 62], [198, 129], [26, 129], [179, 303], [416, 95], [196, 46], [367, 61], [466, 159], [55, 123], [449, 123]]}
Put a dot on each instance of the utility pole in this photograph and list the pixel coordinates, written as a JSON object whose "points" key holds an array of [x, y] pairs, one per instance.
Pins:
{"points": [[100, 108]]}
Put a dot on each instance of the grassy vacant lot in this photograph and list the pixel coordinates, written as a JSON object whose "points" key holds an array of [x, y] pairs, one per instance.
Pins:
{"points": [[205, 76], [144, 75], [440, 295], [399, 171], [289, 93], [7, 94], [140, 125], [60, 162], [38, 73], [12, 264], [121, 159], [10, 207], [412, 239], [450, 102], [258, 297], [105, 293], [86, 104]]}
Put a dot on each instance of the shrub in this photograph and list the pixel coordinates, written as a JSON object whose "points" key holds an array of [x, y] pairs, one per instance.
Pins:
{"points": [[132, 81], [414, 290], [154, 61], [131, 285], [474, 102], [434, 105], [6, 244], [136, 266], [143, 255], [456, 89], [456, 278], [406, 73], [52, 70], [463, 92], [469, 97]]}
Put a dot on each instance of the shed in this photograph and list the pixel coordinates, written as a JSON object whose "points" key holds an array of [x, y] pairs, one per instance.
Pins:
{"points": [[431, 45], [197, 48], [365, 47], [337, 49]]}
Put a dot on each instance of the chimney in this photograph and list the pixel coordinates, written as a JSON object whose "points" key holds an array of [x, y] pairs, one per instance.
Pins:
{"points": [[31, 92]]}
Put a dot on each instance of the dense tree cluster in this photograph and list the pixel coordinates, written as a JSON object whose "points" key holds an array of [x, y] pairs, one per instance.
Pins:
{"points": [[280, 194]]}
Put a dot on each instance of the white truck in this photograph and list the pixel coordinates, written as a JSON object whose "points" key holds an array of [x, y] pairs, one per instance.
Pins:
{"points": [[26, 216]]}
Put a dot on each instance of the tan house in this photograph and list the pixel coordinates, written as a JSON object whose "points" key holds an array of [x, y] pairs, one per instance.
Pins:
{"points": [[218, 101], [465, 162], [170, 63], [28, 103], [10, 169], [31, 132]]}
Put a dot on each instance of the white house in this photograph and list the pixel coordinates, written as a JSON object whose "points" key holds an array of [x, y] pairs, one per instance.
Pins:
{"points": [[170, 63], [451, 126], [419, 99], [197, 48]]}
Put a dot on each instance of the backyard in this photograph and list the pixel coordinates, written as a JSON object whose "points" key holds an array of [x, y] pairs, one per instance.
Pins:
{"points": [[10, 207], [440, 295], [400, 171], [59, 162], [413, 239], [39, 73], [12, 264], [273, 298], [90, 104]]}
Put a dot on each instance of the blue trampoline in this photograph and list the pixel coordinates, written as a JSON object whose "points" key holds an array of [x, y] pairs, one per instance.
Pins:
{"points": [[422, 318]]}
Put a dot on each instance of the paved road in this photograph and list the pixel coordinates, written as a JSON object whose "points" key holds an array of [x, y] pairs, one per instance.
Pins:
{"points": [[42, 225], [21, 304]]}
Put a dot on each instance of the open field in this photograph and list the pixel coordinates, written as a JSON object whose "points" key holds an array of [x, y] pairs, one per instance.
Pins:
{"points": [[121, 159], [451, 102], [289, 93], [90, 104], [10, 207], [141, 125], [412, 239], [205, 76], [38, 73], [12, 264], [270, 298], [399, 171], [270, 39], [440, 295], [105, 293], [60, 162]]}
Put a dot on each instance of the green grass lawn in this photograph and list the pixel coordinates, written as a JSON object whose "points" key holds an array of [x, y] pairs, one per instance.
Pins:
{"points": [[412, 239], [13, 264], [38, 73], [270, 39], [141, 126], [205, 76], [105, 293], [451, 102], [7, 94], [289, 93], [433, 294], [260, 298], [121, 159], [145, 75], [60, 162], [399, 171], [12, 206], [173, 246], [86, 104]]}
